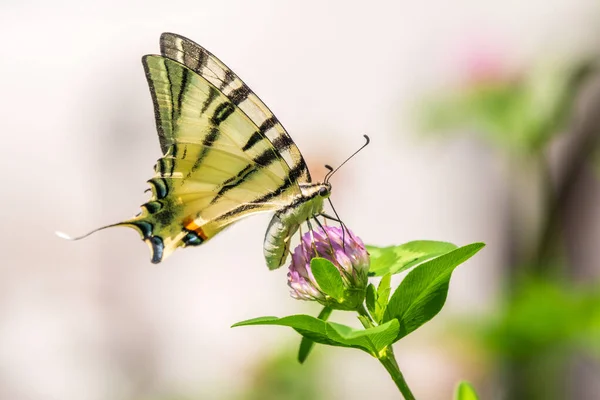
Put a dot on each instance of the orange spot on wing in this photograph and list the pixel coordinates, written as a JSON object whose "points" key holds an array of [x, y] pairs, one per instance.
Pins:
{"points": [[190, 225]]}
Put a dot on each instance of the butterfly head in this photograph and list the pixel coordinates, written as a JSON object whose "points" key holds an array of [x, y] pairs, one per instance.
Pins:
{"points": [[316, 191], [324, 190]]}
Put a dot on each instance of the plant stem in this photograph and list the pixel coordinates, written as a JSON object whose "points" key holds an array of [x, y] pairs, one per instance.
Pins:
{"points": [[386, 357], [389, 362], [366, 321]]}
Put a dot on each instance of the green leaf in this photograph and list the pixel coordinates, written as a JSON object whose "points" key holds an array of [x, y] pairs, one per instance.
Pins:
{"points": [[395, 259], [422, 294], [464, 391], [255, 321], [328, 277], [307, 344], [371, 298], [306, 325], [371, 340], [383, 296]]}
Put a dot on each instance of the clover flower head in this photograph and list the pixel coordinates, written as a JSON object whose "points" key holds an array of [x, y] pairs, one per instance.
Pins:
{"points": [[344, 249]]}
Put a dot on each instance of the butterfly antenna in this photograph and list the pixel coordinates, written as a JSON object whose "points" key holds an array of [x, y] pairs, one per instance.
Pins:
{"points": [[333, 171], [330, 168]]}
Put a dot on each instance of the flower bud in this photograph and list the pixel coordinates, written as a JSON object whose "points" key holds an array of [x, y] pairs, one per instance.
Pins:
{"points": [[346, 251]]}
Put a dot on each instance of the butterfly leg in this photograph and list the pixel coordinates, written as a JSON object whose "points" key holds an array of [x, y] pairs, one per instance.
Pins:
{"points": [[323, 229], [300, 232], [344, 228], [329, 217], [312, 236]]}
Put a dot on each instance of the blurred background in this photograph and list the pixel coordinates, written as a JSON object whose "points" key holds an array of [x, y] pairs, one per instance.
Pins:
{"points": [[484, 118]]}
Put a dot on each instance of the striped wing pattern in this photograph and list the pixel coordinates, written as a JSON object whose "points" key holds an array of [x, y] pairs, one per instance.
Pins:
{"points": [[225, 155], [205, 64]]}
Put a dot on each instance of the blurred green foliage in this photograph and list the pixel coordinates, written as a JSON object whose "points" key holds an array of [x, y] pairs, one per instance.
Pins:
{"points": [[276, 375], [545, 316], [519, 113], [280, 376]]}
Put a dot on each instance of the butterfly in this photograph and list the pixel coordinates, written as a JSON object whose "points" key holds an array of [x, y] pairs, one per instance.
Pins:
{"points": [[225, 157]]}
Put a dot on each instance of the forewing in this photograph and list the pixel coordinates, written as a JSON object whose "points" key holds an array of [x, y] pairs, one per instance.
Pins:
{"points": [[205, 64]]}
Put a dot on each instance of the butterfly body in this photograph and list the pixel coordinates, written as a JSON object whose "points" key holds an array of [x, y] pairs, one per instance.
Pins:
{"points": [[287, 220], [225, 156]]}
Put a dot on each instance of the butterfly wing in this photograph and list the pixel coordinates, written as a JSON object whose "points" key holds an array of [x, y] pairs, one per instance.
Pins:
{"points": [[225, 155], [205, 64]]}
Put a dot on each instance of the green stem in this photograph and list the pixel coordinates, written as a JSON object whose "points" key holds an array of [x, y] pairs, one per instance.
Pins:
{"points": [[387, 358], [366, 321], [389, 362]]}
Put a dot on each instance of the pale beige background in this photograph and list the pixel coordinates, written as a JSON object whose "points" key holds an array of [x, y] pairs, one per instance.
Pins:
{"points": [[95, 320]]}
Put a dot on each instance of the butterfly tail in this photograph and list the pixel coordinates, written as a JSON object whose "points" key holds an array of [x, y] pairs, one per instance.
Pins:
{"points": [[144, 227], [66, 236]]}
